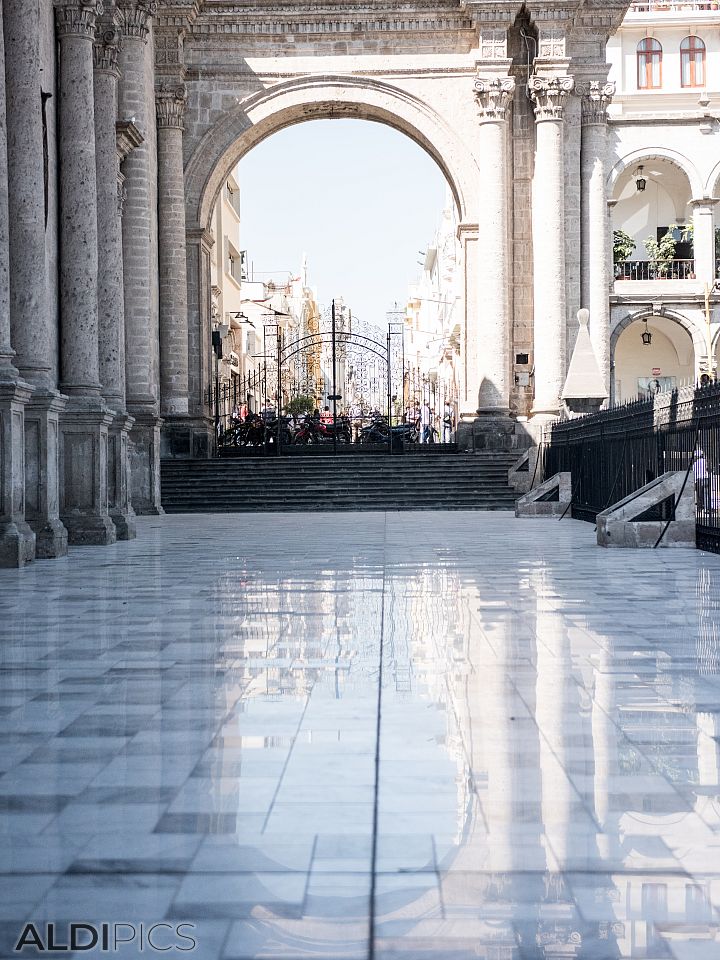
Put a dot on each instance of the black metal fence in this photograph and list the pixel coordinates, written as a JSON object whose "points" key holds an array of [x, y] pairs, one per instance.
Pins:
{"points": [[613, 453]]}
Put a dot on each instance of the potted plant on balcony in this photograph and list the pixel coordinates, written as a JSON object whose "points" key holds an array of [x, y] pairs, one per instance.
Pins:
{"points": [[661, 253], [623, 248]]}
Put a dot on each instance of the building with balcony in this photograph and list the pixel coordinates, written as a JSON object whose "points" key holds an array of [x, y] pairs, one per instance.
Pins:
{"points": [[663, 188]]}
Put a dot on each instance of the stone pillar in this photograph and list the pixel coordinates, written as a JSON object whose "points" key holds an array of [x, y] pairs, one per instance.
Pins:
{"points": [[111, 301], [137, 101], [548, 208], [704, 239], [17, 540], [171, 102], [84, 425], [595, 223], [31, 320]]}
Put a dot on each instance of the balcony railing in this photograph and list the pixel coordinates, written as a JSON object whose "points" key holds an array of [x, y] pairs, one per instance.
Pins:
{"points": [[671, 6], [651, 270]]}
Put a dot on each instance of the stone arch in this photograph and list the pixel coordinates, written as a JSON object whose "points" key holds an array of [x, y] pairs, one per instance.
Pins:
{"points": [[712, 184], [323, 97], [650, 153]]}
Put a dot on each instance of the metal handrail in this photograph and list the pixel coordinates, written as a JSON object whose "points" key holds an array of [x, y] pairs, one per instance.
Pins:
{"points": [[654, 270]]}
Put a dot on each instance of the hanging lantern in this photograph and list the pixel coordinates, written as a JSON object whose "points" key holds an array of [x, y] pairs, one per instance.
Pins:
{"points": [[646, 336], [640, 181]]}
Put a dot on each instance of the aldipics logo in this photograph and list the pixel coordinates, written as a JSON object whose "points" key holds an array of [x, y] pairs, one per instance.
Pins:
{"points": [[106, 937]]}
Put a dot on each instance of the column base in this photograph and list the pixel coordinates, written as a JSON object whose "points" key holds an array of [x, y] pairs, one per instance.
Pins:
{"points": [[119, 506], [144, 451], [496, 433], [83, 472], [184, 437], [42, 429], [17, 540], [17, 544]]}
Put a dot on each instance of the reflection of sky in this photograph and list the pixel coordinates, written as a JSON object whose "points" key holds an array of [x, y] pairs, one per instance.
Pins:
{"points": [[546, 781]]}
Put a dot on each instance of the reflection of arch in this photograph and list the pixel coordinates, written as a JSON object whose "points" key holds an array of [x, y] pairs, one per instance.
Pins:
{"points": [[316, 98], [698, 338], [654, 153]]}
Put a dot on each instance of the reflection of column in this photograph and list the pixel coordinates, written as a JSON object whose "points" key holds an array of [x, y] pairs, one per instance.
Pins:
{"points": [[111, 301], [137, 101], [17, 541], [595, 224], [704, 239], [493, 97], [548, 216], [34, 332], [605, 750], [173, 256], [86, 419]]}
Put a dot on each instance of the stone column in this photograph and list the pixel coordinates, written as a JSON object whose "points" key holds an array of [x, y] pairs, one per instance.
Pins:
{"points": [[548, 208], [170, 104], [704, 239], [595, 223], [84, 425], [111, 301], [17, 540], [137, 101], [32, 323]]}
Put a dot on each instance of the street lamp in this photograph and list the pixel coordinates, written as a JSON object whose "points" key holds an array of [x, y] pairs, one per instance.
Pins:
{"points": [[646, 336], [640, 181]]}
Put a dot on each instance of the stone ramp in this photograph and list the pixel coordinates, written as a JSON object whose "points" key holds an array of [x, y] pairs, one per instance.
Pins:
{"points": [[449, 481]]}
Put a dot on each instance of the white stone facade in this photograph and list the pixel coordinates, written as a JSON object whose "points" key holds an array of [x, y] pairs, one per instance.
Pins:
{"points": [[114, 351]]}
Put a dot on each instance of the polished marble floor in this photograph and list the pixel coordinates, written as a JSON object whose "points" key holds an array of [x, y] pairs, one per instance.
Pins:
{"points": [[436, 735]]}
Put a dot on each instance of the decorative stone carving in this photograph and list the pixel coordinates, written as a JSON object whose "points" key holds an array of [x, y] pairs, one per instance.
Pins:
{"points": [[548, 95], [107, 50], [77, 17], [133, 17], [596, 96], [493, 96], [551, 43], [170, 102], [493, 44]]}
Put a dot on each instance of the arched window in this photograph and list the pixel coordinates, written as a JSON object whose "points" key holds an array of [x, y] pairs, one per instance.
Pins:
{"points": [[692, 62], [649, 64]]}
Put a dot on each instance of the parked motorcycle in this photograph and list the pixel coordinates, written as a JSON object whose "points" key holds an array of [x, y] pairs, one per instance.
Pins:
{"points": [[315, 431]]}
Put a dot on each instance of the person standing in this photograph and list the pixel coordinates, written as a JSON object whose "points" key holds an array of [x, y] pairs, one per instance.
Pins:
{"points": [[425, 423], [702, 480], [448, 422]]}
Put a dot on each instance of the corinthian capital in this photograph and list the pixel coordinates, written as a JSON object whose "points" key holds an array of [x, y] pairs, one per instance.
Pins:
{"points": [[77, 17], [548, 95], [170, 103], [107, 49], [493, 94], [596, 96], [134, 16]]}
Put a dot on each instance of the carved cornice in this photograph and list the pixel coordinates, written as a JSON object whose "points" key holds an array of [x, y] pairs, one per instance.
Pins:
{"points": [[107, 49], [134, 17], [170, 103], [76, 18], [595, 99], [493, 94], [128, 137], [548, 95]]}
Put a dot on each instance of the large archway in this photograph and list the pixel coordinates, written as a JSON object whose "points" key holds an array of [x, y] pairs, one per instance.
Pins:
{"points": [[264, 114]]}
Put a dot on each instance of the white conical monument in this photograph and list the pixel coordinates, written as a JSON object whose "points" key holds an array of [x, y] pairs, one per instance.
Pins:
{"points": [[584, 390]]}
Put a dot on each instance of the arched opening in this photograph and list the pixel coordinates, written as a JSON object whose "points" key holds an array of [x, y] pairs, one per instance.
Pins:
{"points": [[652, 220], [651, 353], [269, 275]]}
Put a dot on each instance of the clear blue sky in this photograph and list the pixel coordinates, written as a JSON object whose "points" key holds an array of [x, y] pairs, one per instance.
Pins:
{"points": [[358, 197]]}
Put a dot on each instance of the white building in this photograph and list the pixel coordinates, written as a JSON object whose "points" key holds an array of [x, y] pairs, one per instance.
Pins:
{"points": [[663, 172]]}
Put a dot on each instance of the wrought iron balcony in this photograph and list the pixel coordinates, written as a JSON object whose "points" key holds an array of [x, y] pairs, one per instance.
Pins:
{"points": [[653, 270]]}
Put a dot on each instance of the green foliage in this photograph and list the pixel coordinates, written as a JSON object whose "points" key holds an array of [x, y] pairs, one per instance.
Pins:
{"points": [[623, 246], [300, 405], [661, 253]]}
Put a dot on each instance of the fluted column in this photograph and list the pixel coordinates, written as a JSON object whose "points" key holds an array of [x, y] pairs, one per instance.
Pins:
{"points": [[170, 104], [111, 300], [493, 97], [33, 325], [137, 101], [595, 222], [17, 540], [548, 217], [84, 507]]}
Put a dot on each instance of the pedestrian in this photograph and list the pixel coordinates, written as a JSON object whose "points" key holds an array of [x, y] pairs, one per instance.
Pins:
{"points": [[702, 480], [448, 423], [425, 423]]}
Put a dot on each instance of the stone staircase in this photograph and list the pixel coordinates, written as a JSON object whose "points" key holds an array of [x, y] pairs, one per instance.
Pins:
{"points": [[441, 481]]}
